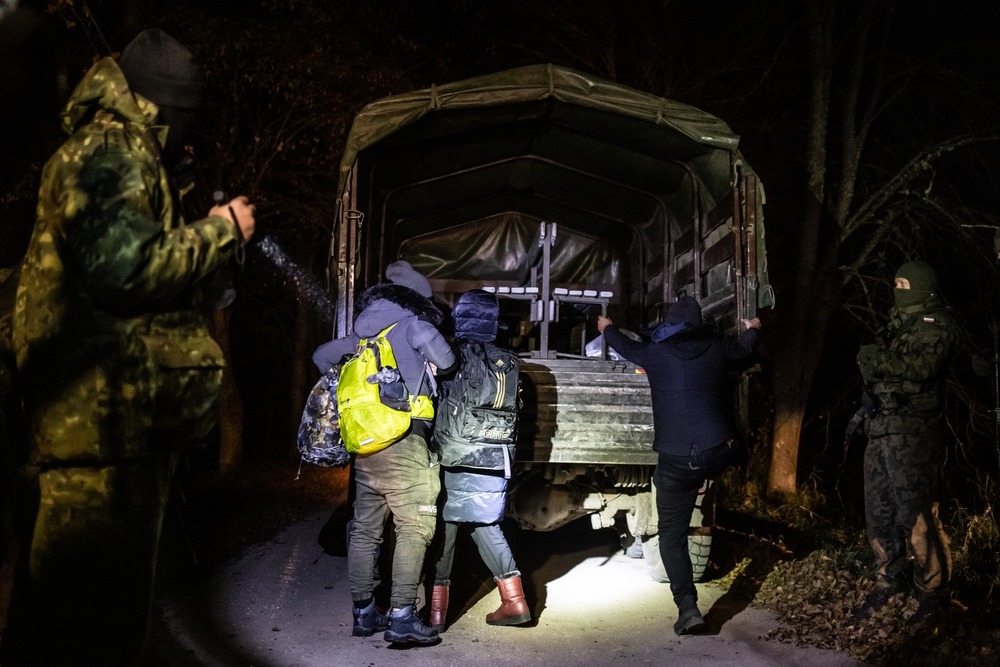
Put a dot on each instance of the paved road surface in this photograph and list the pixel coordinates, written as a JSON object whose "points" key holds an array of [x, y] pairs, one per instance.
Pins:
{"points": [[285, 603]]}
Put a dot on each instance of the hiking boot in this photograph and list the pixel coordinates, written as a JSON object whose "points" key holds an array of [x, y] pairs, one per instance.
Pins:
{"points": [[689, 619], [405, 626], [368, 621]]}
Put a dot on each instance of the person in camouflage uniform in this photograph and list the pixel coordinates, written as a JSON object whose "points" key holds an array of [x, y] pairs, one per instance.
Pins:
{"points": [[902, 464], [119, 372]]}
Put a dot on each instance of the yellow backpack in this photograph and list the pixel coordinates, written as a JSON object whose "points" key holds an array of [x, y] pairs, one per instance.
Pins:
{"points": [[375, 405]]}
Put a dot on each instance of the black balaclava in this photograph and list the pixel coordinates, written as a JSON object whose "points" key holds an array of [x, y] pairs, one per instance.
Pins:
{"points": [[162, 70], [923, 284]]}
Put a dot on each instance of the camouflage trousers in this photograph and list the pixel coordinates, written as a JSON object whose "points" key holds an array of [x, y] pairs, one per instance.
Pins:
{"points": [[86, 595], [902, 475]]}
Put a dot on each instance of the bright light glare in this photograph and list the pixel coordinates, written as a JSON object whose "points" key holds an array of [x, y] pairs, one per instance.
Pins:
{"points": [[621, 585]]}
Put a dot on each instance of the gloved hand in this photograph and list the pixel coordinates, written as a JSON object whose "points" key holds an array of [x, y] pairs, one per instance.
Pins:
{"points": [[866, 361]]}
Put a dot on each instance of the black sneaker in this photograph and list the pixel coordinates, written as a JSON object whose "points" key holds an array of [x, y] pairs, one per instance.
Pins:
{"points": [[368, 621], [405, 626]]}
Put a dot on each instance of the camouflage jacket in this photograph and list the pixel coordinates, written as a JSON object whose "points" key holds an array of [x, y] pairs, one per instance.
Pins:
{"points": [[109, 310], [909, 371]]}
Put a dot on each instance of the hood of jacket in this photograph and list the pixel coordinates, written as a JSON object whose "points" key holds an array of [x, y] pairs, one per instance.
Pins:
{"points": [[382, 305], [689, 344], [103, 88]]}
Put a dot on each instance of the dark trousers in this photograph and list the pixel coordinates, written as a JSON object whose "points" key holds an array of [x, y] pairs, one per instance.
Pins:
{"points": [[677, 480], [403, 480], [87, 595], [490, 541]]}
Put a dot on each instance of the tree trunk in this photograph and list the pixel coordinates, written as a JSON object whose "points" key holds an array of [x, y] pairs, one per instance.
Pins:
{"points": [[795, 367], [794, 373]]}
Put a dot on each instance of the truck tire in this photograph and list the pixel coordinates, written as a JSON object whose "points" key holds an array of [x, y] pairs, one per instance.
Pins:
{"points": [[699, 538], [699, 549]]}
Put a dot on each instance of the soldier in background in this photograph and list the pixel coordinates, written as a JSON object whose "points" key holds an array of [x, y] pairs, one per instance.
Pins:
{"points": [[118, 369], [902, 465]]}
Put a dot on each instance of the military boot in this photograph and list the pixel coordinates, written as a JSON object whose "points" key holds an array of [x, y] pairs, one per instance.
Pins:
{"points": [[876, 599]]}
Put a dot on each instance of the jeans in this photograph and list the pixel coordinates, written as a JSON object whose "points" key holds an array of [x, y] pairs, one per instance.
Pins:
{"points": [[677, 480], [490, 541], [404, 480]]}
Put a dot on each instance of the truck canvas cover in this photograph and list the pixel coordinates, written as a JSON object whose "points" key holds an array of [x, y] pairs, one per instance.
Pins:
{"points": [[458, 177]]}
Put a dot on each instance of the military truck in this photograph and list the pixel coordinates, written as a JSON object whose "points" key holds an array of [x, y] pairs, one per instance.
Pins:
{"points": [[566, 195]]}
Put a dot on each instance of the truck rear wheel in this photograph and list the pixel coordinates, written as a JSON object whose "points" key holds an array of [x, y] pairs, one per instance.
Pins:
{"points": [[699, 538], [699, 549]]}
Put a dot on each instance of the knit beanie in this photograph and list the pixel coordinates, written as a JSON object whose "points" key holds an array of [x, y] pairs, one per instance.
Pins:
{"points": [[401, 273], [923, 284], [159, 68], [476, 316], [683, 314]]}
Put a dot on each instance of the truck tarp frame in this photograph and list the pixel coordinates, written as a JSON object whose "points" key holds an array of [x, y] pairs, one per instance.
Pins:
{"points": [[455, 178]]}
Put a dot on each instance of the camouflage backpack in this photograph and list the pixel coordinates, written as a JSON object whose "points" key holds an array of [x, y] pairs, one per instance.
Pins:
{"points": [[319, 439]]}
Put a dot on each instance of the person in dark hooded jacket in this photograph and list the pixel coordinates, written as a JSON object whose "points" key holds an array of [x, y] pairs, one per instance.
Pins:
{"points": [[694, 434], [477, 495], [403, 479]]}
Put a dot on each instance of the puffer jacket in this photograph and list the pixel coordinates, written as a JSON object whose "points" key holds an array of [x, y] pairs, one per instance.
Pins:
{"points": [[473, 496], [111, 340], [414, 339]]}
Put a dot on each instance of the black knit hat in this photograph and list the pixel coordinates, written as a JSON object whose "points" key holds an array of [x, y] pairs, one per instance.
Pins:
{"points": [[685, 310], [683, 314], [159, 68]]}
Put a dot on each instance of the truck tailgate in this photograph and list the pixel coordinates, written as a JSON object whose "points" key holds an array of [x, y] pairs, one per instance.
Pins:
{"points": [[585, 411]]}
